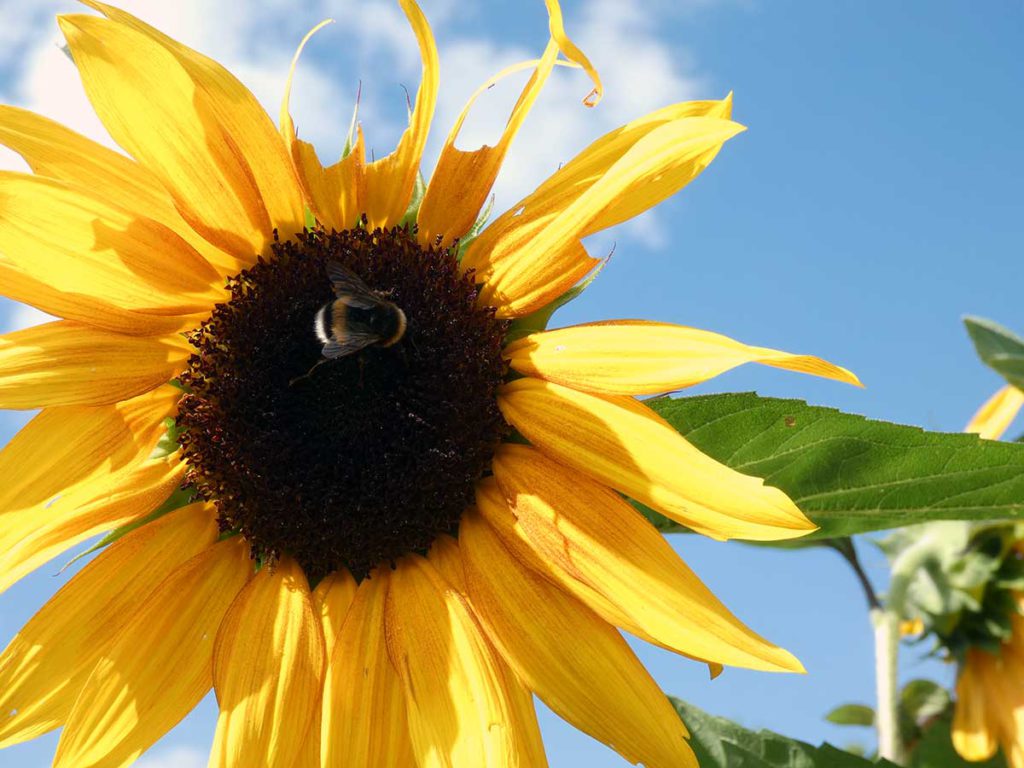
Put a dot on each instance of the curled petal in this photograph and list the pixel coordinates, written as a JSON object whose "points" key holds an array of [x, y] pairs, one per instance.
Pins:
{"points": [[462, 180], [390, 180]]}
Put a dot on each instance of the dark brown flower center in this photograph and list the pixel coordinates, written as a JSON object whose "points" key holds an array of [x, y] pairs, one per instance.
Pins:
{"points": [[371, 455]]}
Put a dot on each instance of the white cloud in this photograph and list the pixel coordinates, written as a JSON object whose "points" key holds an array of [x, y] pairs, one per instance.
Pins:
{"points": [[177, 757], [641, 72]]}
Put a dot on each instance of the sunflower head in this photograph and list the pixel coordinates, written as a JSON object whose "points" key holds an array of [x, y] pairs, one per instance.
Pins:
{"points": [[368, 456], [983, 631], [374, 558]]}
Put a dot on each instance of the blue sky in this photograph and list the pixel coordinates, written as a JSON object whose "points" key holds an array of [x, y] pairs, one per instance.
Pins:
{"points": [[873, 202]]}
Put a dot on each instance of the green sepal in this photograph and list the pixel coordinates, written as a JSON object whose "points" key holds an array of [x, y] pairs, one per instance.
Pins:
{"points": [[538, 321], [350, 137], [310, 219], [999, 348], [179, 498], [476, 229], [168, 442], [720, 743], [847, 473], [413, 211]]}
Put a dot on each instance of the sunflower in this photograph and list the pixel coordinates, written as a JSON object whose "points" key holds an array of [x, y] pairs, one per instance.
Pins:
{"points": [[379, 559], [989, 710]]}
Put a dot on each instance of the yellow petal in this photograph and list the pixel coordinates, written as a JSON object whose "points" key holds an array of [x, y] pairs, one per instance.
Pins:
{"points": [[74, 472], [127, 496], [287, 124], [557, 28], [331, 601], [364, 720], [462, 180], [62, 448], [45, 665], [638, 357], [446, 558], [540, 282], [596, 545], [458, 706], [559, 648], [160, 666], [972, 732], [335, 194], [74, 254], [996, 415], [193, 125], [390, 180], [589, 166], [52, 150], [518, 264], [67, 363], [268, 666], [622, 443]]}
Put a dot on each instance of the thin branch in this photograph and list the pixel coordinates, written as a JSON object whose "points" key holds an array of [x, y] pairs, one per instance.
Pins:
{"points": [[845, 547]]}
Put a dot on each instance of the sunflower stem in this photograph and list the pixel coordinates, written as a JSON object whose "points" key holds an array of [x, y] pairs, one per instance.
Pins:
{"points": [[886, 621], [890, 744]]}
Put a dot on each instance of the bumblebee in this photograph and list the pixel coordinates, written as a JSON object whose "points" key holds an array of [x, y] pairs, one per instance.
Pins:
{"points": [[357, 318]]}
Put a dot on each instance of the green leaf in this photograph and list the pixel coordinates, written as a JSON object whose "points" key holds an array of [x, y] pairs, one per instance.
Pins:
{"points": [[851, 714], [999, 348], [850, 474], [720, 743], [920, 702], [935, 750]]}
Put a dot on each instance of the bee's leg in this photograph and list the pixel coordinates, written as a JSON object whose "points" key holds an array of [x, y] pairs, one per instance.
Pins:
{"points": [[362, 369], [308, 373]]}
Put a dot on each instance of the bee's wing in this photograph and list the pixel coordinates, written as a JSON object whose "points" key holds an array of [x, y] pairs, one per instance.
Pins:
{"points": [[353, 342], [353, 291]]}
